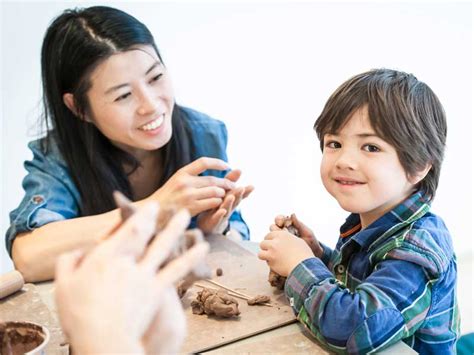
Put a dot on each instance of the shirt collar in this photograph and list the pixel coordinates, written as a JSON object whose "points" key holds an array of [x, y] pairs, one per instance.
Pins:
{"points": [[406, 212]]}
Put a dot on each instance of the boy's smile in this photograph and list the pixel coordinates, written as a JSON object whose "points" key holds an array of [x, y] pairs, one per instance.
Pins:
{"points": [[347, 181], [362, 171]]}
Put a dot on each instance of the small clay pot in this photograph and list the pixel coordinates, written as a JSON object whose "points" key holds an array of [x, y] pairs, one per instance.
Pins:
{"points": [[23, 338]]}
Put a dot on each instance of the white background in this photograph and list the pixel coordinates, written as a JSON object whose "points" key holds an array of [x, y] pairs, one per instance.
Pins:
{"points": [[266, 70]]}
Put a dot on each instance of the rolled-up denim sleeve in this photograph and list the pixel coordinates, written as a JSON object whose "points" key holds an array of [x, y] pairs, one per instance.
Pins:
{"points": [[50, 196]]}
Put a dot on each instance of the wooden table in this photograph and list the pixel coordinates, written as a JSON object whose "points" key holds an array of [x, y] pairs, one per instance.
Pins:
{"points": [[290, 338]]}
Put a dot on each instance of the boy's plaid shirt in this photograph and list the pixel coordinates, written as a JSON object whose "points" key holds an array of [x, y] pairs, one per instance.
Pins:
{"points": [[394, 280]]}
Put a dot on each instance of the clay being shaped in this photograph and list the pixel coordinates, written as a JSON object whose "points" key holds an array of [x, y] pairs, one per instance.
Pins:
{"points": [[285, 223], [191, 237]]}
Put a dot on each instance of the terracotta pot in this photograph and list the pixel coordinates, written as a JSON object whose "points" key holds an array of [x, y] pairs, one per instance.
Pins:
{"points": [[23, 338]]}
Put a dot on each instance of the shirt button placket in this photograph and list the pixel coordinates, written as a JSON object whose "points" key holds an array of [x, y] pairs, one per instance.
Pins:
{"points": [[340, 269]]}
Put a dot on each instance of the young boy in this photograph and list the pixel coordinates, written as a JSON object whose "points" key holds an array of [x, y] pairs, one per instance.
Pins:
{"points": [[392, 275]]}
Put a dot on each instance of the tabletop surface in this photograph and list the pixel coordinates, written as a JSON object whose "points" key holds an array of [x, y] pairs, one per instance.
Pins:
{"points": [[291, 338]]}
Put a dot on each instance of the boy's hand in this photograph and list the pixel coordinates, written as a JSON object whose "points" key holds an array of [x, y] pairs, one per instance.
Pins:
{"points": [[283, 251], [308, 236], [303, 231]]}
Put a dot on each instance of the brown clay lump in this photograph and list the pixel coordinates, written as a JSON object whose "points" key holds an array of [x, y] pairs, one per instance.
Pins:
{"points": [[285, 223], [217, 303], [191, 238], [276, 280], [259, 299]]}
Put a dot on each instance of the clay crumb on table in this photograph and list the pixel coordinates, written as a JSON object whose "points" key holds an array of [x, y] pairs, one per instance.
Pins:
{"points": [[259, 299]]}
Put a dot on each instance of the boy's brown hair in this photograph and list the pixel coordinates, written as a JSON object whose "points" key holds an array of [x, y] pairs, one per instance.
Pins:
{"points": [[403, 111]]}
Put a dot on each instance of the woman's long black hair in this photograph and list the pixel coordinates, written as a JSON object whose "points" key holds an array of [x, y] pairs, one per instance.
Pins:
{"points": [[75, 43]]}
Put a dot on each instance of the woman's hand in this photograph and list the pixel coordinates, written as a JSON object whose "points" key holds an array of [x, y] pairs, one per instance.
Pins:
{"points": [[110, 299], [196, 193], [283, 251], [304, 232], [217, 219]]}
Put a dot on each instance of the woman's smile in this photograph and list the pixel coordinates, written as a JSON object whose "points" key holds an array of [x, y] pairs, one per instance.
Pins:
{"points": [[153, 126]]}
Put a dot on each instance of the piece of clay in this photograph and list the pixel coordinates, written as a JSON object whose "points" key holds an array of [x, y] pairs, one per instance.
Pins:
{"points": [[191, 238], [219, 271], [259, 299], [285, 223], [181, 289], [276, 280], [217, 303]]}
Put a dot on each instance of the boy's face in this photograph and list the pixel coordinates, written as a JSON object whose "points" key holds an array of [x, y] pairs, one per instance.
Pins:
{"points": [[362, 171]]}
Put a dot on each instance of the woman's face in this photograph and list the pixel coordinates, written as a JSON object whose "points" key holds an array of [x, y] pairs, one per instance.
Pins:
{"points": [[131, 100]]}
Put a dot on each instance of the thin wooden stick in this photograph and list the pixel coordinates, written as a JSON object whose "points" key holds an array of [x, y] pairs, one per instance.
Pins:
{"points": [[215, 289], [227, 288], [242, 295]]}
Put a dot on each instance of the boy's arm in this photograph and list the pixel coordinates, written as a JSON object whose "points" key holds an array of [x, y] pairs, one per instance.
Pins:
{"points": [[388, 306], [326, 256], [319, 249]]}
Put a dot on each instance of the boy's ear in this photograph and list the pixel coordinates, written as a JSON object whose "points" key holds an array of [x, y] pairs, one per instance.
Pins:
{"points": [[68, 100], [420, 175]]}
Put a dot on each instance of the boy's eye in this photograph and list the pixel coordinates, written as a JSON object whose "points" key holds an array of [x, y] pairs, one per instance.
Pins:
{"points": [[123, 97], [371, 148], [333, 144]]}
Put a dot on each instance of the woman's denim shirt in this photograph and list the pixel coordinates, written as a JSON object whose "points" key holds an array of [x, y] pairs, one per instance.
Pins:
{"points": [[51, 195]]}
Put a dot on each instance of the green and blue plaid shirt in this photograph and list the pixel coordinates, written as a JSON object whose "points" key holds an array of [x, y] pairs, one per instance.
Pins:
{"points": [[394, 280]]}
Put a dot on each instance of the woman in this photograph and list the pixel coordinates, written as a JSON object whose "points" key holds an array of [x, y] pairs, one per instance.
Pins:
{"points": [[114, 126]]}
